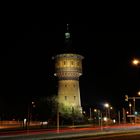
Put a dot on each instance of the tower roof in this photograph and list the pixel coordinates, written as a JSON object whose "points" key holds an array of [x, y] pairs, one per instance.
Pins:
{"points": [[68, 47]]}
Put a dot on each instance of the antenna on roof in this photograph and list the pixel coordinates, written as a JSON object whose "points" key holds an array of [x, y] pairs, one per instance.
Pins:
{"points": [[67, 34]]}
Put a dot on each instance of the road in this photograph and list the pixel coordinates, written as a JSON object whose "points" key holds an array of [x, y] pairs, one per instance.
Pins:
{"points": [[127, 136], [95, 133]]}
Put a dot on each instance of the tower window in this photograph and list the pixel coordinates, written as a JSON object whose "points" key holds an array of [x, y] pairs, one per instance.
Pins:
{"points": [[74, 85], [64, 62], [65, 97], [72, 62], [78, 63], [74, 97], [65, 85]]}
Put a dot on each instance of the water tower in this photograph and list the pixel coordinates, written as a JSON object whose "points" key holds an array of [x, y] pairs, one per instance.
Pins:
{"points": [[68, 69]]}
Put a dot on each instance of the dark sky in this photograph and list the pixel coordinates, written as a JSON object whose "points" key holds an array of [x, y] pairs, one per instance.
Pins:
{"points": [[27, 65]]}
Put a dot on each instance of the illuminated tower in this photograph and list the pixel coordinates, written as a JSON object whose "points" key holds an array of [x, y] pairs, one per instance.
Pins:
{"points": [[68, 68]]}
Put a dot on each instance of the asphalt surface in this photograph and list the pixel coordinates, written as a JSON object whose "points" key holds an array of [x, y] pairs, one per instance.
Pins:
{"points": [[127, 136], [115, 132]]}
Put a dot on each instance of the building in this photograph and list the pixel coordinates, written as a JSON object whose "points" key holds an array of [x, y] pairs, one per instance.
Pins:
{"points": [[68, 69]]}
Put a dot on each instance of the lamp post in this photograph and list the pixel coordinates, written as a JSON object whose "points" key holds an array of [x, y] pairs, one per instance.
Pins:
{"points": [[57, 117], [124, 115], [96, 114], [130, 105], [134, 104], [90, 114], [73, 111], [99, 115], [106, 105], [31, 105], [110, 108], [135, 62], [119, 118]]}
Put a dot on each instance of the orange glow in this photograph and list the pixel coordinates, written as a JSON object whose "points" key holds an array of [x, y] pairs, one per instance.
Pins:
{"points": [[136, 62]]}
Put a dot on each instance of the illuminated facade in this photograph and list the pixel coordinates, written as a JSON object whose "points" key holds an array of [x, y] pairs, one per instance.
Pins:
{"points": [[68, 69]]}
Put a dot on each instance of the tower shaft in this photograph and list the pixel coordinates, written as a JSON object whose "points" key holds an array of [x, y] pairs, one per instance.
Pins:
{"points": [[69, 93]]}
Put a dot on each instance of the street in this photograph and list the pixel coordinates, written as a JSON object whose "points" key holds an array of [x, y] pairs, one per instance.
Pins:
{"points": [[110, 132], [127, 136]]}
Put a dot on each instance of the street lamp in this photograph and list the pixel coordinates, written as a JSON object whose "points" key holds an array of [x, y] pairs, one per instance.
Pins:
{"points": [[130, 105], [33, 104], [95, 110], [139, 93], [135, 62], [106, 105]]}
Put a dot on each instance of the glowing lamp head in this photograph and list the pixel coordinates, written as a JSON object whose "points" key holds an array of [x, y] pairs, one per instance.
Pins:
{"points": [[106, 105], [105, 119], [136, 62]]}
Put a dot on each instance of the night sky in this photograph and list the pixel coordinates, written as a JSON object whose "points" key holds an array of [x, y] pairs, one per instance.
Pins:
{"points": [[27, 65]]}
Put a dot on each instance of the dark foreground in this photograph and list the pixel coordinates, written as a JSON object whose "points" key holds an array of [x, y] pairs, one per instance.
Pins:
{"points": [[120, 132], [127, 136]]}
